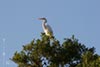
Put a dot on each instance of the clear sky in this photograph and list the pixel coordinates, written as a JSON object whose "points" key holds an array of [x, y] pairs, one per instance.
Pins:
{"points": [[19, 24]]}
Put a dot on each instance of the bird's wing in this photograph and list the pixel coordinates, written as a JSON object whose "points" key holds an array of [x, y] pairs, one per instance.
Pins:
{"points": [[49, 28]]}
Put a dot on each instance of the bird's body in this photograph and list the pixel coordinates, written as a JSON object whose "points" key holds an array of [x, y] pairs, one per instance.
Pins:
{"points": [[47, 29]]}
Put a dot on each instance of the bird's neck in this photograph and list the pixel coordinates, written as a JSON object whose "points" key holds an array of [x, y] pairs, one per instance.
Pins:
{"points": [[44, 24]]}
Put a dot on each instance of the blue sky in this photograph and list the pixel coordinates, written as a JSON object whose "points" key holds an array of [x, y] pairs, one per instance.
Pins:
{"points": [[19, 24]]}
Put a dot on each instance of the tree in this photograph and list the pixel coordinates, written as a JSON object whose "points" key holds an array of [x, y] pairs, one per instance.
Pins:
{"points": [[52, 53], [89, 59]]}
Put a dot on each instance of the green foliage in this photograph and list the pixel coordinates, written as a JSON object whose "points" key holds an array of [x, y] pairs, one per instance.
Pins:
{"points": [[70, 52], [89, 59]]}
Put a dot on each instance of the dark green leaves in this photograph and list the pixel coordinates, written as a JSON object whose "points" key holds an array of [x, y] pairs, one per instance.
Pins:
{"points": [[70, 52]]}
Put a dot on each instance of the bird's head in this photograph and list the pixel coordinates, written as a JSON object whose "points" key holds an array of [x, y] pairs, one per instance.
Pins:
{"points": [[43, 19]]}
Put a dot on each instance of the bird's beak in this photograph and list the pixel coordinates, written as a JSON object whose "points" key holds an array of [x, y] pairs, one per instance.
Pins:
{"points": [[39, 18]]}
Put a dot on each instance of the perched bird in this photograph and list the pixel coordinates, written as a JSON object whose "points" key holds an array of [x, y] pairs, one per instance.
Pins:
{"points": [[47, 29]]}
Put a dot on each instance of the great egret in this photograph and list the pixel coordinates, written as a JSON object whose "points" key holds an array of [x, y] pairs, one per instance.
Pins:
{"points": [[47, 29]]}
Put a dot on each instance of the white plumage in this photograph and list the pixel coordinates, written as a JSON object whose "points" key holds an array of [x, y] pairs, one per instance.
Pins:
{"points": [[47, 29]]}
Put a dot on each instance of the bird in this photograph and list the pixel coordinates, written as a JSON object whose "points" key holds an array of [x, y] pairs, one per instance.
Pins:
{"points": [[47, 28]]}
